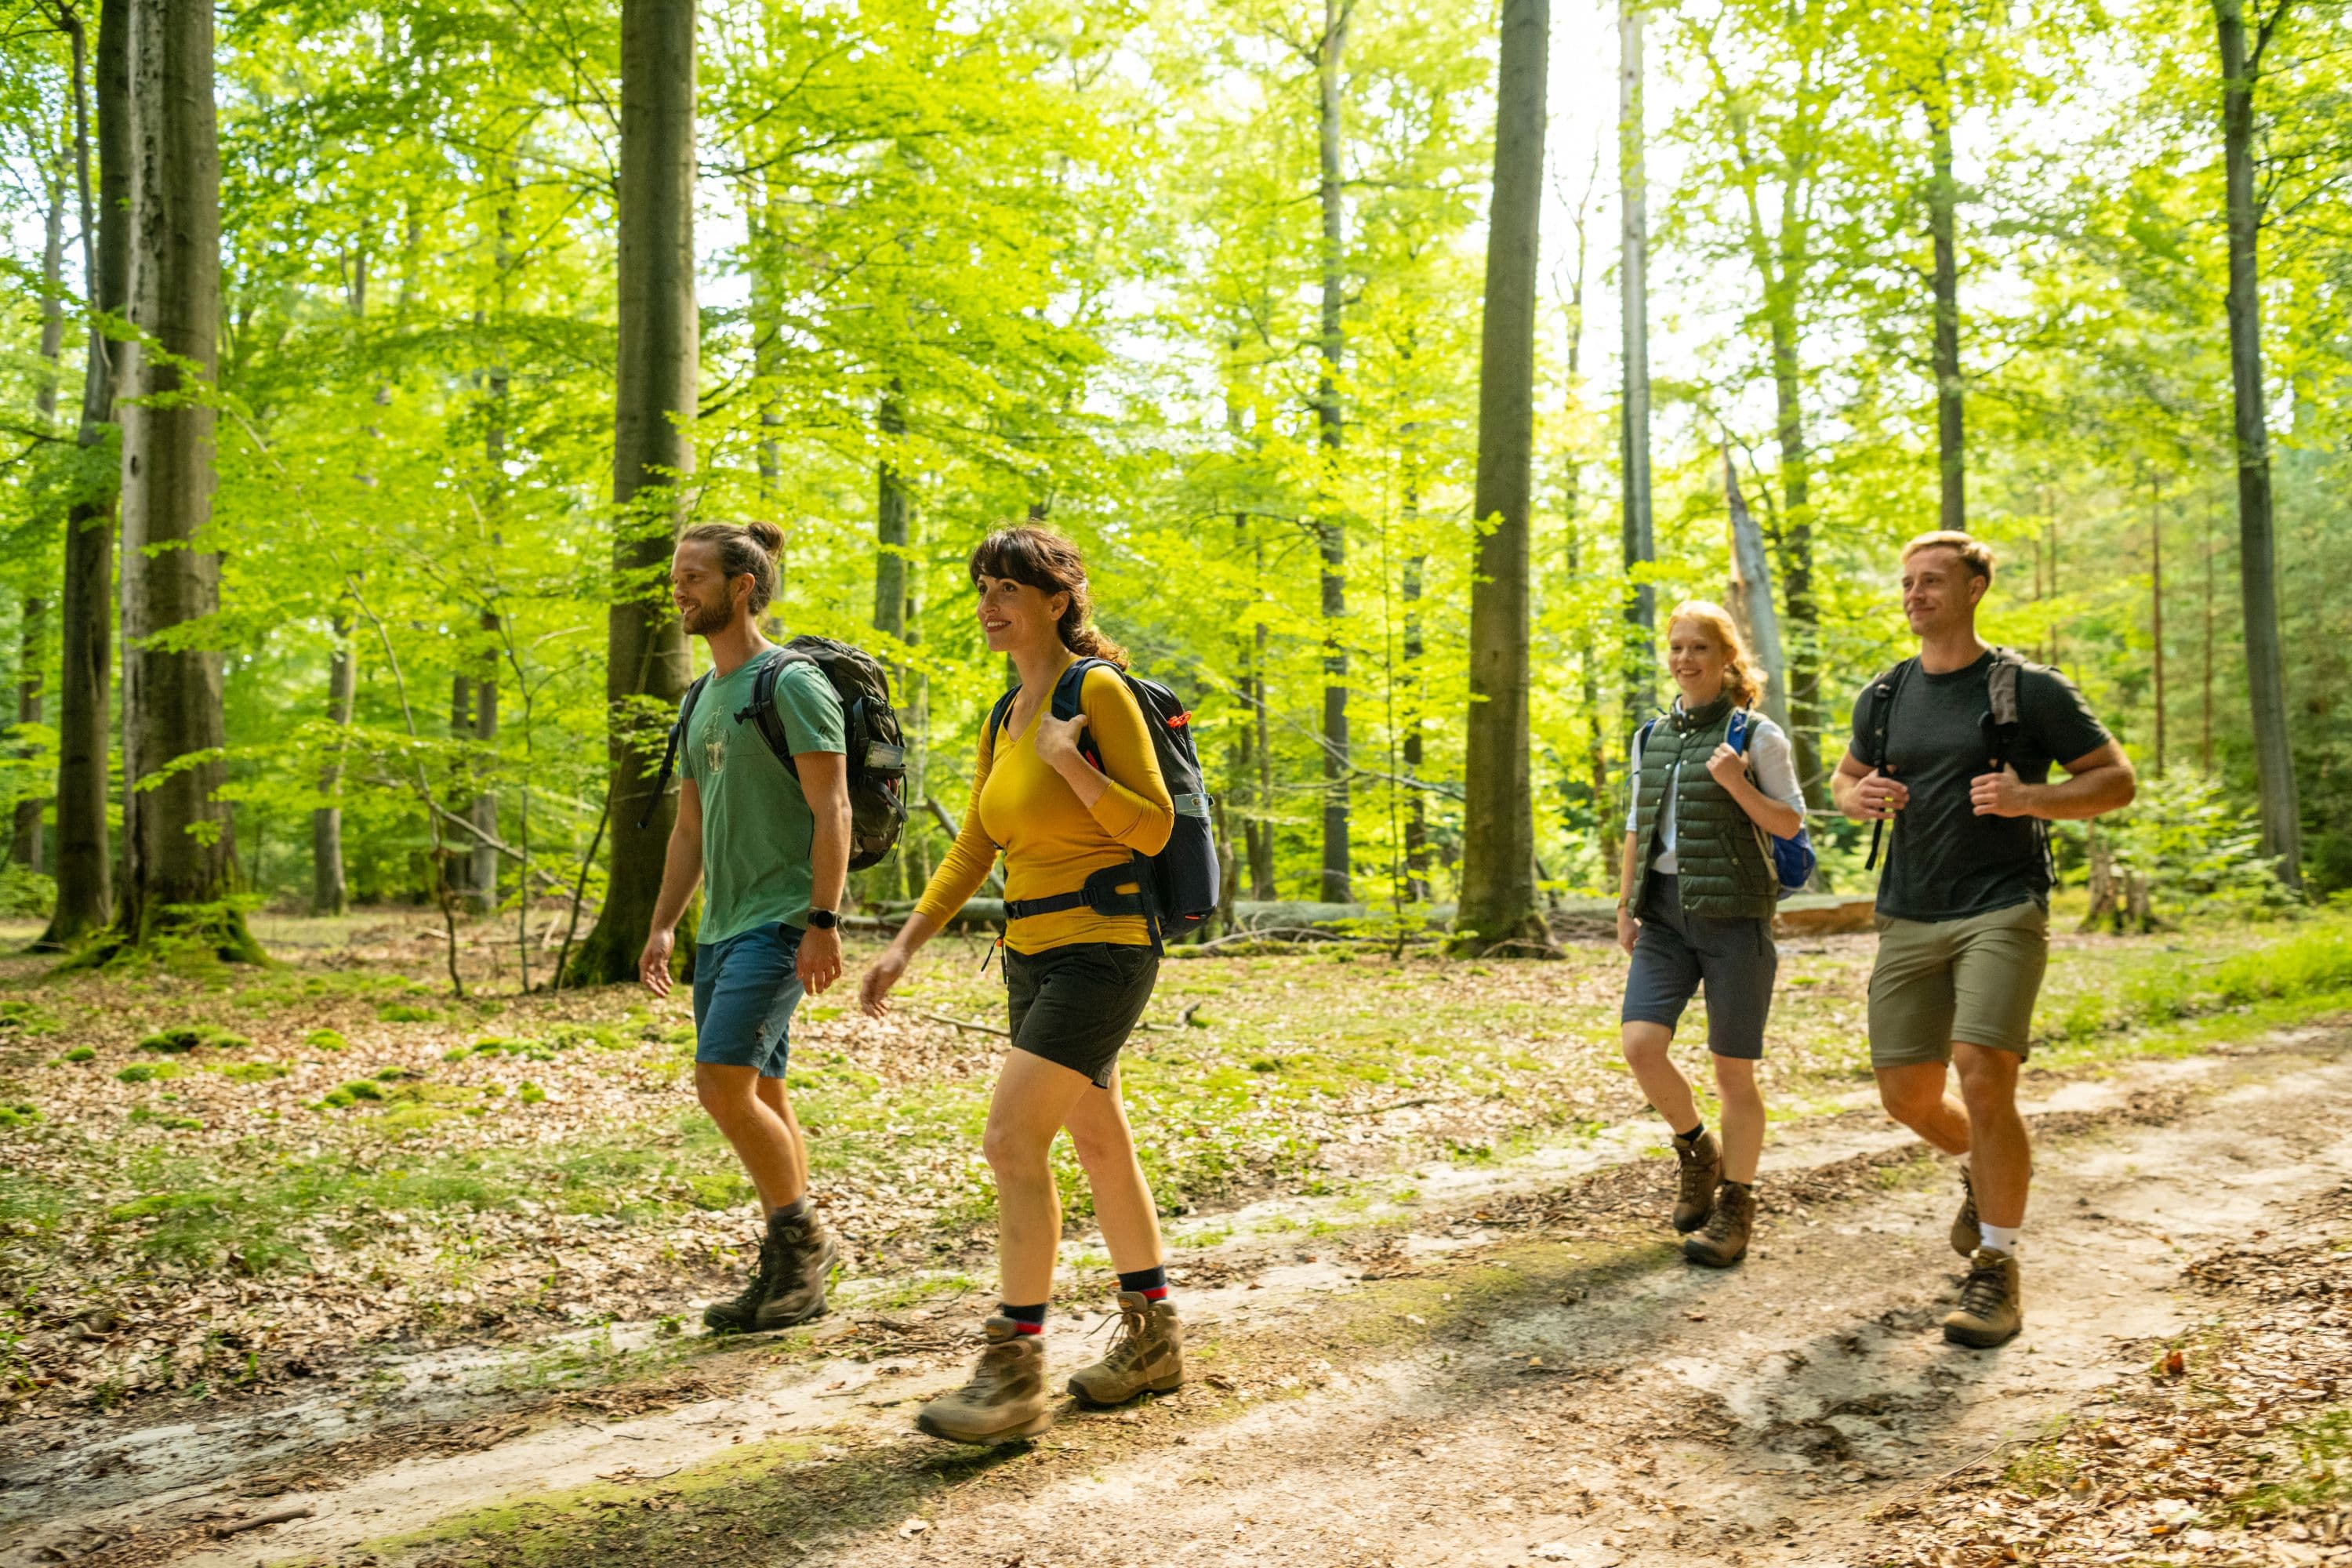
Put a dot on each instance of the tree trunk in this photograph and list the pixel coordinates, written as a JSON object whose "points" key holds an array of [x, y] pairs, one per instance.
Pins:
{"points": [[890, 512], [25, 842], [659, 363], [84, 857], [1751, 597], [2156, 605], [1633, 420], [1416, 822], [2257, 564], [1803, 644], [1943, 225], [1499, 890], [1338, 880], [482, 873], [179, 867], [329, 893]]}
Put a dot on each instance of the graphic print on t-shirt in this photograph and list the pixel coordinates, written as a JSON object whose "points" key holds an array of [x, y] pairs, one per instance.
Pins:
{"points": [[714, 753]]}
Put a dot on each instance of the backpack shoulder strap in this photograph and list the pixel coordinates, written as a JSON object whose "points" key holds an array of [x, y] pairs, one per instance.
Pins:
{"points": [[997, 717], [2000, 684], [762, 711], [1735, 734], [1879, 707], [669, 752], [1070, 692]]}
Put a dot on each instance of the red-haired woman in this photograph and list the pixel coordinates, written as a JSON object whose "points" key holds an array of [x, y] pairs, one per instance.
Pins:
{"points": [[1079, 965]]}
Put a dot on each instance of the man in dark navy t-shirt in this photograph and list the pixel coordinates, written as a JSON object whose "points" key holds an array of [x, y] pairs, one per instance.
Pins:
{"points": [[1964, 897]]}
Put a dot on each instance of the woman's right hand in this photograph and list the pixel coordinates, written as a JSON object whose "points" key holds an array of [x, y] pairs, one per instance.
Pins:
{"points": [[1628, 928], [874, 986]]}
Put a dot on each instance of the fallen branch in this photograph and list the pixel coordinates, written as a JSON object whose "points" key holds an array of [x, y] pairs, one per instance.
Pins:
{"points": [[255, 1521], [958, 1023]]}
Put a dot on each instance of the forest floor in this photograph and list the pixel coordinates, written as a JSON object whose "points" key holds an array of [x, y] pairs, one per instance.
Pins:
{"points": [[347, 1271]]}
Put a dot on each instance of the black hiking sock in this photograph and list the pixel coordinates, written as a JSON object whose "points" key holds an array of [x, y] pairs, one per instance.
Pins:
{"points": [[1025, 1319], [791, 1213], [1151, 1283], [1691, 1136]]}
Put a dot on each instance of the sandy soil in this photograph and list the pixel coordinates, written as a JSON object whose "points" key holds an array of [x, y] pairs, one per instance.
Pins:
{"points": [[1524, 1373]]}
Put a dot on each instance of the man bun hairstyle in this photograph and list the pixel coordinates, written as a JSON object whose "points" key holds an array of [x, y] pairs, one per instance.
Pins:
{"points": [[1743, 678], [1050, 563], [744, 549], [1974, 552]]}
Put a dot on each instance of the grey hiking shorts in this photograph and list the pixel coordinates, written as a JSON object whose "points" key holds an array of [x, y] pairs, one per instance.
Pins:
{"points": [[1676, 955]]}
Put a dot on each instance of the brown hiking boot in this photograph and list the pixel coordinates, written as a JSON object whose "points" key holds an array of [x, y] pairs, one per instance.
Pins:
{"points": [[741, 1315], [1993, 1307], [805, 1252], [1966, 1236], [1146, 1353], [1005, 1398], [1702, 1167], [1724, 1241]]}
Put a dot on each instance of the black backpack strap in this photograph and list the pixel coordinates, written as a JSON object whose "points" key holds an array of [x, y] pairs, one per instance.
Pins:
{"points": [[1878, 714], [1069, 696], [669, 752], [763, 715]]}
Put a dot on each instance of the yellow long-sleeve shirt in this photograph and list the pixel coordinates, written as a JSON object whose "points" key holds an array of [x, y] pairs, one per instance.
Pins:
{"points": [[1052, 842]]}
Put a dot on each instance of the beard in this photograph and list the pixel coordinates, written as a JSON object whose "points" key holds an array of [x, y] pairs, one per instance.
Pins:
{"points": [[702, 620]]}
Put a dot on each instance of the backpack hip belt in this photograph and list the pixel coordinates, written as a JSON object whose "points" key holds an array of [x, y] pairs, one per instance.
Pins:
{"points": [[1100, 894]]}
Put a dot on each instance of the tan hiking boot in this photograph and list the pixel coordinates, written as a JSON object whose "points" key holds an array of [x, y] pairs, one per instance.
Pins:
{"points": [[1005, 1399], [1965, 1236], [1724, 1240], [1146, 1353], [1992, 1306], [1701, 1160]]}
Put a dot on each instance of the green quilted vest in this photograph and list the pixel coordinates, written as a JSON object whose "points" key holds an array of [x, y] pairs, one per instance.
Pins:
{"points": [[1725, 873]]}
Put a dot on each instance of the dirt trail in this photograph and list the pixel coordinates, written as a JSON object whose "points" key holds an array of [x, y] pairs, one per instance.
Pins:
{"points": [[1574, 1404]]}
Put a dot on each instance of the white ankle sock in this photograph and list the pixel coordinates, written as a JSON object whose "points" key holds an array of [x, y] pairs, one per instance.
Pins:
{"points": [[1999, 1237]]}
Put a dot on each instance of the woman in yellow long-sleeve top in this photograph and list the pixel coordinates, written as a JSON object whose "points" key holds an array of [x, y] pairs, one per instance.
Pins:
{"points": [[1079, 965]]}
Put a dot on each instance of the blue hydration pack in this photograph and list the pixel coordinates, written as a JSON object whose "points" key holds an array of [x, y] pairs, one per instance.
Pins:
{"points": [[1792, 858]]}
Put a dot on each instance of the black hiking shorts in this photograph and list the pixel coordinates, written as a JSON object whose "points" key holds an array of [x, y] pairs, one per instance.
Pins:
{"points": [[1677, 954], [1076, 1004]]}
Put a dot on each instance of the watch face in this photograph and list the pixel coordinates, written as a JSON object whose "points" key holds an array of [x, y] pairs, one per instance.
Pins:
{"points": [[822, 919]]}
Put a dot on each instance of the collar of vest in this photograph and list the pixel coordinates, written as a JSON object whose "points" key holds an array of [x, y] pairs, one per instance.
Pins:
{"points": [[1686, 720]]}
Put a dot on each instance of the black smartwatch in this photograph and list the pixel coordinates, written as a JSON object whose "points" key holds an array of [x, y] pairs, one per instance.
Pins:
{"points": [[823, 920]]}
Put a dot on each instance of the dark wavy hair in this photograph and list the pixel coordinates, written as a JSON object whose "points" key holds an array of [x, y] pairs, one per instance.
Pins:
{"points": [[744, 548], [1051, 565]]}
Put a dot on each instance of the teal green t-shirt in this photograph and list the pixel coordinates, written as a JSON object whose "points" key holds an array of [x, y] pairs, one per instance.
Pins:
{"points": [[757, 828]]}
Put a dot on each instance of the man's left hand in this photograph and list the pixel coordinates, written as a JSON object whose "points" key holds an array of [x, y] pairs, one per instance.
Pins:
{"points": [[2001, 795], [819, 963]]}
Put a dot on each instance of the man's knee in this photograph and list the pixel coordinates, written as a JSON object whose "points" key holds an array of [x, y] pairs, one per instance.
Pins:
{"points": [[1912, 1098], [1988, 1078], [727, 1096]]}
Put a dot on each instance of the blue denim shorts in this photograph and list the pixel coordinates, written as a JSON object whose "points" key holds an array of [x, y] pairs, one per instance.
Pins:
{"points": [[744, 992]]}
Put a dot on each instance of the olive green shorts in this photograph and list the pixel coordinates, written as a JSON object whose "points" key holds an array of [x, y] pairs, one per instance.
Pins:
{"points": [[1973, 980]]}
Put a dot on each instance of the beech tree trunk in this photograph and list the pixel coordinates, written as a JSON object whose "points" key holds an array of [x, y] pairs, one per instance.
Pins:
{"points": [[330, 895], [2282, 811], [1633, 421], [85, 856], [179, 863], [1498, 888], [1416, 821], [1943, 228], [482, 870], [25, 842], [653, 455], [1338, 883]]}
